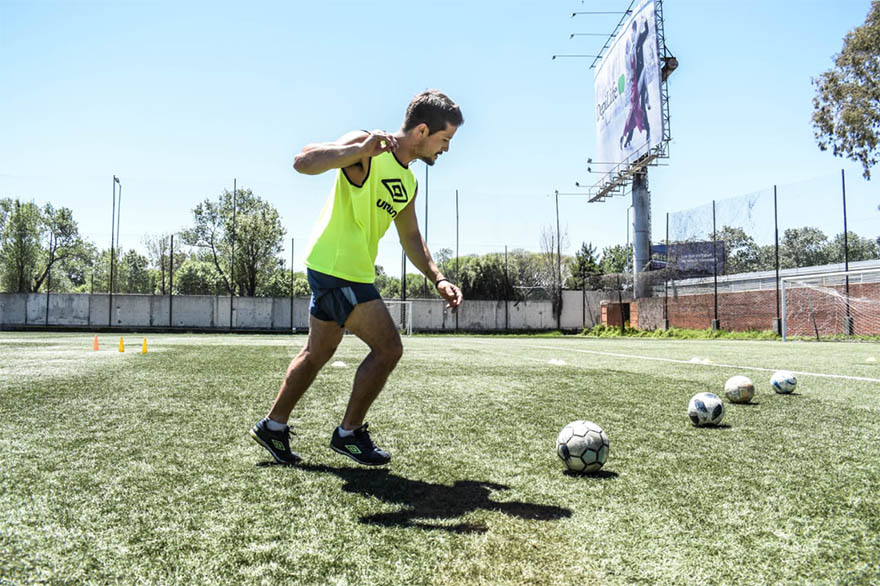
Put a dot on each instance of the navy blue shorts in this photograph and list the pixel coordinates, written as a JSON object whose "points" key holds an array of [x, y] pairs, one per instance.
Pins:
{"points": [[333, 299]]}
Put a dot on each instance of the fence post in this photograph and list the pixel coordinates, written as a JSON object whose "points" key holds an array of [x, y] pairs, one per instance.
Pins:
{"points": [[666, 280], [171, 284], [716, 324]]}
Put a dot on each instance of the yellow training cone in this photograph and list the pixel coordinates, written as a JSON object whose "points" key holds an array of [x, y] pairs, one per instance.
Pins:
{"points": [[95, 343], [144, 347], [121, 345]]}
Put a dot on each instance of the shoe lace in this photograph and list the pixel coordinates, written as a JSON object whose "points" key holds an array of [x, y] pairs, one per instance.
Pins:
{"points": [[362, 436]]}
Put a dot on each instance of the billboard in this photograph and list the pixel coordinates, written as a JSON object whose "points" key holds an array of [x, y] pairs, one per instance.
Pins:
{"points": [[629, 120], [693, 259]]}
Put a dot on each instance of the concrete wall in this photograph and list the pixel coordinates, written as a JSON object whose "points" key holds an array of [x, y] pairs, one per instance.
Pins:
{"points": [[266, 313]]}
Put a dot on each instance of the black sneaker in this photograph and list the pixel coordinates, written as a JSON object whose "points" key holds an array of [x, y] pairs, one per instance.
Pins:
{"points": [[359, 447], [277, 442]]}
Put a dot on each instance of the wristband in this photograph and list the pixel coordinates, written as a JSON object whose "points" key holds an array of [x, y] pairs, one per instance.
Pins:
{"points": [[441, 280]]}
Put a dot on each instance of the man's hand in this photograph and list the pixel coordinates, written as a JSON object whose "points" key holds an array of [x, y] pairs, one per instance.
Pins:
{"points": [[451, 294], [378, 142]]}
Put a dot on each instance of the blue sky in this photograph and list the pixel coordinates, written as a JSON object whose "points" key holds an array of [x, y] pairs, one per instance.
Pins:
{"points": [[180, 98]]}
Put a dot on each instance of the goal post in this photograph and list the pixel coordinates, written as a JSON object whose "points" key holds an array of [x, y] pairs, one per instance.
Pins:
{"points": [[401, 313], [831, 304]]}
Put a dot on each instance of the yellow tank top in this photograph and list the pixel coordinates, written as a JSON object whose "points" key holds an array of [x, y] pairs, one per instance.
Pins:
{"points": [[345, 241]]}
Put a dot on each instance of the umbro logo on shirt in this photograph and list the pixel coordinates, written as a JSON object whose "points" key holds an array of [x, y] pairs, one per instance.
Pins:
{"points": [[396, 189]]}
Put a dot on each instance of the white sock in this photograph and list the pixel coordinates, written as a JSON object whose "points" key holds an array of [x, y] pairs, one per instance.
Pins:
{"points": [[275, 425], [345, 432]]}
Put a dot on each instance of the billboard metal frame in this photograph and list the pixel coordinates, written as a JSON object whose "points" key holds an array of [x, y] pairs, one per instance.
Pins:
{"points": [[619, 177]]}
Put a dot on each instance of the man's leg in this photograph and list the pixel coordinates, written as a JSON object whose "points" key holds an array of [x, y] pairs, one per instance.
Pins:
{"points": [[371, 322], [324, 337], [272, 432]]}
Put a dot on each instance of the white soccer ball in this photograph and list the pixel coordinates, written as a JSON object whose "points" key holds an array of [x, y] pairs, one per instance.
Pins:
{"points": [[706, 409], [783, 381], [739, 389], [582, 446]]}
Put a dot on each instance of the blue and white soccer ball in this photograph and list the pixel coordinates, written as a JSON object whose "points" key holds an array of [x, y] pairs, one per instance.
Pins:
{"points": [[582, 446], [706, 409], [783, 382]]}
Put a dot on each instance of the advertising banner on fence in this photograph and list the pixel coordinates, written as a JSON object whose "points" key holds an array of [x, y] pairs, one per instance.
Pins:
{"points": [[629, 121], [693, 259]]}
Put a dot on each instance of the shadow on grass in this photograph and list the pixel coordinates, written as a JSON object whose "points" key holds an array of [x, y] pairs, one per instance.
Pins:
{"points": [[598, 475], [426, 501], [711, 427]]}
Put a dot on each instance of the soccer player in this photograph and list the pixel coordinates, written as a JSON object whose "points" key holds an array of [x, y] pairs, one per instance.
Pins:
{"points": [[638, 116], [373, 186]]}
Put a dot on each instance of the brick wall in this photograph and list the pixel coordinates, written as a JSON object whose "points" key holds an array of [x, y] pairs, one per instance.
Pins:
{"points": [[756, 310]]}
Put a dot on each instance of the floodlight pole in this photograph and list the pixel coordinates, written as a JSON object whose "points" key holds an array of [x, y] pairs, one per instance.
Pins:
{"points": [[641, 201], [112, 254], [118, 217]]}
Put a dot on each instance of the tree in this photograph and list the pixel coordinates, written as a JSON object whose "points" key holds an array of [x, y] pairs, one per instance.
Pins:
{"points": [[133, 274], [252, 225], [19, 245], [527, 273], [197, 277], [846, 109], [616, 259], [551, 245], [803, 247], [858, 248], [583, 267], [415, 287], [741, 252], [159, 254], [61, 242], [278, 284], [484, 277], [388, 286]]}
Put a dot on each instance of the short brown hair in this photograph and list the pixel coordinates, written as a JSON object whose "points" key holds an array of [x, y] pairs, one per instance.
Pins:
{"points": [[435, 109]]}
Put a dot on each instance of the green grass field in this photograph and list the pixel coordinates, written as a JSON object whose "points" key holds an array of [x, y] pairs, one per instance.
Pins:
{"points": [[130, 468]]}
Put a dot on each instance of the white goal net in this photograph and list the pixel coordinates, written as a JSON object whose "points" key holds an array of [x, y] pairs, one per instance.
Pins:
{"points": [[831, 304], [401, 313]]}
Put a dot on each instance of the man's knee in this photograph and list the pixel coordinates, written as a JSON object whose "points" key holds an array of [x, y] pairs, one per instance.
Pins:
{"points": [[390, 352], [317, 357]]}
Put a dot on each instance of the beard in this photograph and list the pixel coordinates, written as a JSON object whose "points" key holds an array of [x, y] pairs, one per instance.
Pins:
{"points": [[430, 160]]}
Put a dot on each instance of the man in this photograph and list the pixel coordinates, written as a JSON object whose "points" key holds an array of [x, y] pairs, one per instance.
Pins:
{"points": [[374, 186]]}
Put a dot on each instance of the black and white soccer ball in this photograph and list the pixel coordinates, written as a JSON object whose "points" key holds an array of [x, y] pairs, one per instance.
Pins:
{"points": [[783, 381], [582, 446], [706, 409]]}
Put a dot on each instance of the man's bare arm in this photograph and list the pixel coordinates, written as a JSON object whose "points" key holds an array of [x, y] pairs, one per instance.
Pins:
{"points": [[417, 251], [352, 148]]}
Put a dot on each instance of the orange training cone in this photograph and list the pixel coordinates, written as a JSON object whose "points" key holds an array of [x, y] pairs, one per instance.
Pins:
{"points": [[95, 343], [144, 347], [121, 345]]}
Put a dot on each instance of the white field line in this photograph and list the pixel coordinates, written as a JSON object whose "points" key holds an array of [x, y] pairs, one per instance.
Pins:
{"points": [[676, 361]]}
